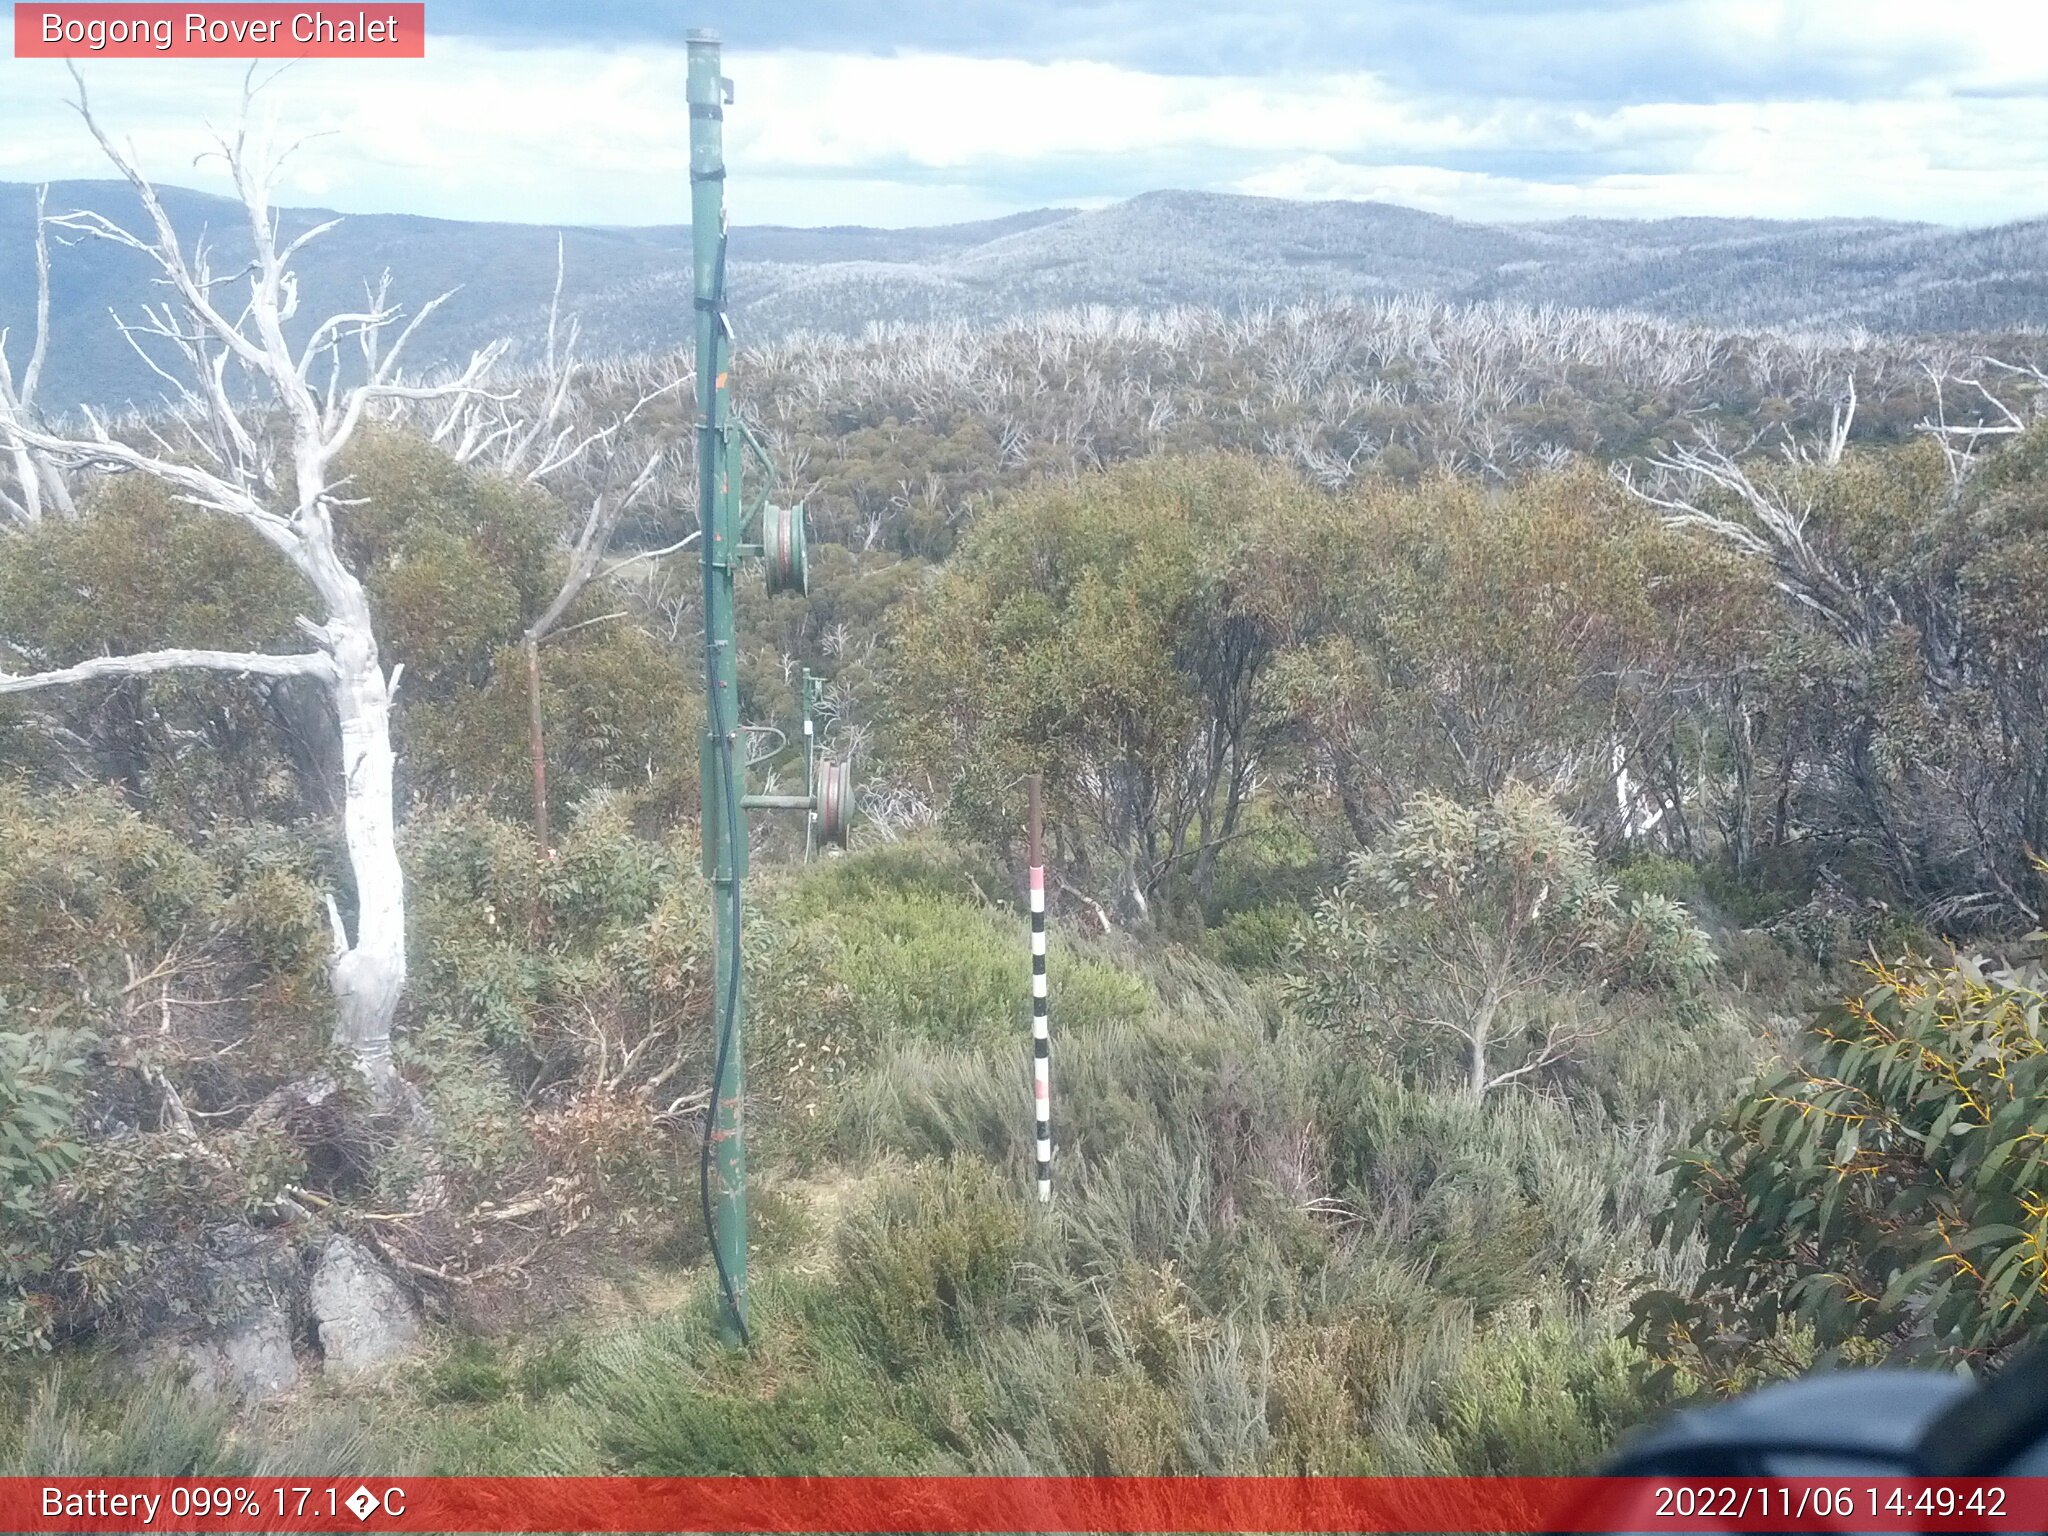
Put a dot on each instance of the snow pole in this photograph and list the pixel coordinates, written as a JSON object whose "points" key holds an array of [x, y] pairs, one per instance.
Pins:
{"points": [[1041, 1024]]}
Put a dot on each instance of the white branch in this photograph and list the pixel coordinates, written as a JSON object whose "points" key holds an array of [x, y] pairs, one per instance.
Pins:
{"points": [[246, 663]]}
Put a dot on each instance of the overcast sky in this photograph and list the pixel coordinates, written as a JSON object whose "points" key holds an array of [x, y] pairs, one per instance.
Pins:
{"points": [[929, 111]]}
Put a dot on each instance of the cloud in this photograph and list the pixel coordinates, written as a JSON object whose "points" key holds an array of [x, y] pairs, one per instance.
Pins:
{"points": [[1590, 50], [1478, 108]]}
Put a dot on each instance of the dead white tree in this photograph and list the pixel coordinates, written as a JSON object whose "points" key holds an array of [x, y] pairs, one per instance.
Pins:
{"points": [[537, 432], [37, 483], [589, 563], [1701, 487], [253, 436], [1992, 417]]}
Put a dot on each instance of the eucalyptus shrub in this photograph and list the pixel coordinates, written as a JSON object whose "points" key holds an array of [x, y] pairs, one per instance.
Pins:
{"points": [[1882, 1189], [1488, 935], [39, 1080]]}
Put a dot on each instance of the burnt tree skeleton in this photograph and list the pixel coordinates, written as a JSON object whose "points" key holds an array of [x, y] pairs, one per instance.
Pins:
{"points": [[532, 433], [253, 437], [38, 484]]}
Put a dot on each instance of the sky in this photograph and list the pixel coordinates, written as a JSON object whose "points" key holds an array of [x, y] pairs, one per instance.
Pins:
{"points": [[936, 111]]}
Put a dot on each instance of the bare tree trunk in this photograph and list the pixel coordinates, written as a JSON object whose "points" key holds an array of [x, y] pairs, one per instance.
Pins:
{"points": [[227, 466], [537, 742], [1741, 834], [1481, 1035], [369, 975], [28, 485]]}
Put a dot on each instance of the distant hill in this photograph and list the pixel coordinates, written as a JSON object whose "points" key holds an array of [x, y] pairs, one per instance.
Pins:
{"points": [[630, 285]]}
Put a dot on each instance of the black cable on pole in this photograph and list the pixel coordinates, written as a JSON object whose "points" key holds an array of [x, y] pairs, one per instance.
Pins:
{"points": [[730, 794]]}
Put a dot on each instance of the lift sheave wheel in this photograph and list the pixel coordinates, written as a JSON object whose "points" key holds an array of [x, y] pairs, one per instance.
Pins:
{"points": [[835, 800], [785, 549]]}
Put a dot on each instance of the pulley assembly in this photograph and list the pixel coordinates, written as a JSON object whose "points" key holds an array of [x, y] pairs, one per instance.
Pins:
{"points": [[834, 799], [827, 799], [785, 550]]}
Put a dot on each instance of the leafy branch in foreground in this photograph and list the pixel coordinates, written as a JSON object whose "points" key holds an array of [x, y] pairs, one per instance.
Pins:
{"points": [[1884, 1189]]}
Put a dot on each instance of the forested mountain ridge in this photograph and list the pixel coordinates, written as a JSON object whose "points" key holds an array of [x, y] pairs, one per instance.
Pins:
{"points": [[1160, 249]]}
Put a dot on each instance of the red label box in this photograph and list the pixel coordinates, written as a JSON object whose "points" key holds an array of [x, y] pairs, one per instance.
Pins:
{"points": [[953, 1506], [107, 29]]}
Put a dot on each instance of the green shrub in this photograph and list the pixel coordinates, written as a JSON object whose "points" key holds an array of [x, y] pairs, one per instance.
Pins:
{"points": [[79, 1424], [1273, 863], [137, 571], [88, 888], [1547, 1401], [1482, 942], [1485, 1199], [1657, 874], [932, 1258], [930, 968], [40, 1075], [911, 955], [1882, 1185], [473, 1370], [669, 1400], [1256, 940], [917, 866]]}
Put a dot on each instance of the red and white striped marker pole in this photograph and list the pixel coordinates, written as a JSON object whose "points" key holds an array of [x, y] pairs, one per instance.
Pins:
{"points": [[1041, 1025]]}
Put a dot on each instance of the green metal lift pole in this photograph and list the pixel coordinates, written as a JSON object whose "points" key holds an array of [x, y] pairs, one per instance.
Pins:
{"points": [[725, 837]]}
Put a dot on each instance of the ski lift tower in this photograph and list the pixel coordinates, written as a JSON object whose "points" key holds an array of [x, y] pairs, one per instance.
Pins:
{"points": [[724, 443]]}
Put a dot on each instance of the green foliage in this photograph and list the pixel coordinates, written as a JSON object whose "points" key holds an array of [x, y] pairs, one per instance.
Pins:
{"points": [[102, 913], [1491, 930], [1272, 1249], [1115, 633], [453, 559], [1274, 861], [40, 1076], [87, 888], [930, 967], [105, 919], [73, 1426], [1882, 1186], [1257, 940], [897, 944], [1544, 1402], [670, 1401], [1492, 1201], [141, 571], [620, 713], [457, 565], [1488, 634], [932, 1259], [476, 1369], [584, 976]]}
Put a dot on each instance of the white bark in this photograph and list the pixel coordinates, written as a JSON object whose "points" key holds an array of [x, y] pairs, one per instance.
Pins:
{"points": [[1991, 417], [244, 663], [37, 484], [1701, 487], [1637, 818], [237, 378]]}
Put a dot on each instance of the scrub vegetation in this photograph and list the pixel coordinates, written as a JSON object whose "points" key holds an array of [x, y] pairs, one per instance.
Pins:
{"points": [[1541, 822]]}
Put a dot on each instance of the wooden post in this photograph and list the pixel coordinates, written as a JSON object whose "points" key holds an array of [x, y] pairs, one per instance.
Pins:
{"points": [[537, 743], [1041, 1026]]}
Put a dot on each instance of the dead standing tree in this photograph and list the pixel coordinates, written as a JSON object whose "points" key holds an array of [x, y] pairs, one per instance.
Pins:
{"points": [[37, 483], [253, 434], [534, 432]]}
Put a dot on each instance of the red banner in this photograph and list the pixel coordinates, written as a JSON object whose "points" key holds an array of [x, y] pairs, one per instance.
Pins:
{"points": [[236, 31], [1002, 1504]]}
